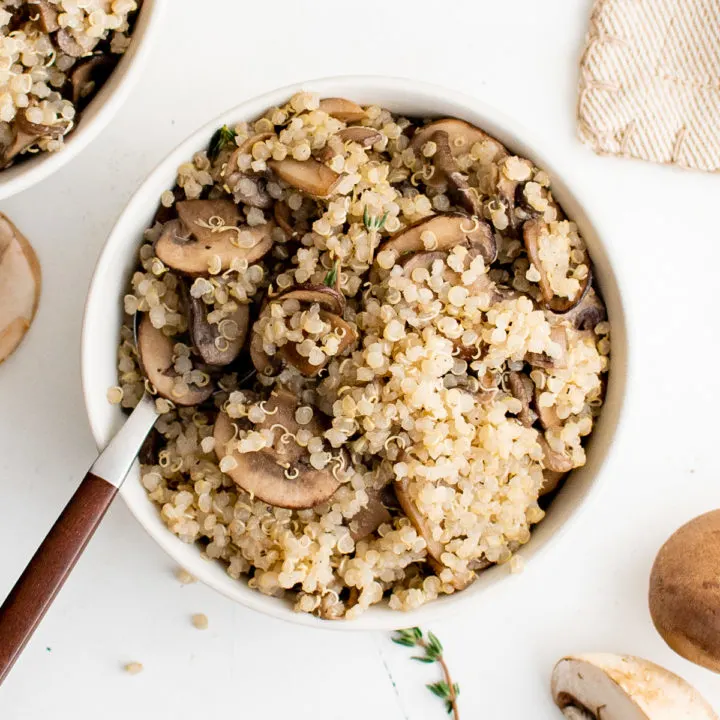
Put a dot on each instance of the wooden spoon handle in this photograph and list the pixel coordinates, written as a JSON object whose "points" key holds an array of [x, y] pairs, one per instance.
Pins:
{"points": [[33, 593]]}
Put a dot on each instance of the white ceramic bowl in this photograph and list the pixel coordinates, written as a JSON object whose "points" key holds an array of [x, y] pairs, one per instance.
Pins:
{"points": [[103, 317], [97, 114]]}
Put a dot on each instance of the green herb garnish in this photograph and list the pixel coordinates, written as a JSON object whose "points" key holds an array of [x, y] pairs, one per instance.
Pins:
{"points": [[332, 276], [373, 225], [220, 139], [446, 689]]}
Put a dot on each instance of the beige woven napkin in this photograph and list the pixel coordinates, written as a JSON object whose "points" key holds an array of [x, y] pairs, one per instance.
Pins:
{"points": [[650, 81]]}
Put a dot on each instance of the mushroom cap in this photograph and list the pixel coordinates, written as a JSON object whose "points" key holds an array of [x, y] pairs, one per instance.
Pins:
{"points": [[450, 229], [327, 297], [260, 474], [462, 136], [342, 109], [533, 230], [685, 593], [189, 245], [155, 350], [205, 334], [20, 286], [310, 176], [604, 686]]}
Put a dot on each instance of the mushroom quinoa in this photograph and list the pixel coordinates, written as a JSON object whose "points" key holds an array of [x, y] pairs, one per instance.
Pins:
{"points": [[54, 56], [375, 346]]}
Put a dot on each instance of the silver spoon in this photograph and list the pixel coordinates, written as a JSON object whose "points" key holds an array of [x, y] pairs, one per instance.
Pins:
{"points": [[53, 561]]}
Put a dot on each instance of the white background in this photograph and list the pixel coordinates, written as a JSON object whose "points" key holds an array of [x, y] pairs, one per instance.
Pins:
{"points": [[588, 593]]}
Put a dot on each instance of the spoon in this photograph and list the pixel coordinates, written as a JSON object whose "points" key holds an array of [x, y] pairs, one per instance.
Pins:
{"points": [[53, 561]]}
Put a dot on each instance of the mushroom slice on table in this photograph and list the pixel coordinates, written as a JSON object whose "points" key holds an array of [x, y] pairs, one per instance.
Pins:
{"points": [[603, 686], [156, 357], [207, 230], [310, 176], [342, 109], [533, 230], [462, 136], [280, 475], [450, 230], [20, 285], [208, 338], [684, 592]]}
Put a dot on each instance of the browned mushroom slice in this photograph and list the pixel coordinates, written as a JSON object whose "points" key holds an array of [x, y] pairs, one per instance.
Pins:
{"points": [[558, 334], [521, 387], [450, 230], [290, 354], [342, 109], [552, 460], [533, 230], [283, 217], [280, 475], [263, 363], [547, 416], [244, 149], [208, 220], [370, 518], [364, 136], [47, 14], [213, 346], [27, 134], [20, 284], [447, 172], [551, 480], [309, 176], [588, 312], [327, 297], [68, 43], [86, 75], [462, 136], [419, 522], [156, 356], [193, 255]]}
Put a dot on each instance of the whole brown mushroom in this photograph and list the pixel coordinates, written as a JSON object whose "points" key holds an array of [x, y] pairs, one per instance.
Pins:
{"points": [[685, 591]]}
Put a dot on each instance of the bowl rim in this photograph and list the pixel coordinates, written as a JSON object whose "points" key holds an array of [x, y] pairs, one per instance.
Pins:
{"points": [[376, 618], [99, 112]]}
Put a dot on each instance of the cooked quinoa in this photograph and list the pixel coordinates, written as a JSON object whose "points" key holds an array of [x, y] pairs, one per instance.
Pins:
{"points": [[54, 56], [376, 352]]}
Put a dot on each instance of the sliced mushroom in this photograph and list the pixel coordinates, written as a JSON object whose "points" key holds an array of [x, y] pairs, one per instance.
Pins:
{"points": [[685, 593], [603, 686], [533, 230], [507, 194], [309, 176], [558, 334], [212, 225], [283, 217], [69, 44], [86, 75], [363, 136], [20, 285], [462, 136], [244, 149], [27, 134], [290, 354], [214, 348], [551, 480], [324, 295], [522, 387], [419, 522], [447, 172], [371, 517], [547, 416], [263, 363], [156, 357], [47, 14], [587, 313], [449, 230], [552, 460], [280, 475], [342, 109]]}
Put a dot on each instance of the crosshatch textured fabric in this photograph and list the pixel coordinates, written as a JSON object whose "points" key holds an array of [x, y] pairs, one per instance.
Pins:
{"points": [[650, 82]]}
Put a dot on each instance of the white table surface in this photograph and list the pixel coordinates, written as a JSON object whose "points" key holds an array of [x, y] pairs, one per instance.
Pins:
{"points": [[589, 593]]}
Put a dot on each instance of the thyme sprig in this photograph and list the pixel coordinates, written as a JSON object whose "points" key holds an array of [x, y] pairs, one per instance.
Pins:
{"points": [[219, 140], [373, 225], [332, 277], [445, 689]]}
